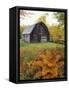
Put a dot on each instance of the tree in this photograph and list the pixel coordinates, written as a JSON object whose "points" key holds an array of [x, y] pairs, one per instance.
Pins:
{"points": [[42, 18], [60, 17], [56, 34]]}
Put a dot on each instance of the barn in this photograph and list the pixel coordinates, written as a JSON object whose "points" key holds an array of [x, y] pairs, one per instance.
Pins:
{"points": [[36, 33]]}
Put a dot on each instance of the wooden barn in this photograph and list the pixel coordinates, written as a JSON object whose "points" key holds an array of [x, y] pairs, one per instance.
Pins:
{"points": [[36, 33]]}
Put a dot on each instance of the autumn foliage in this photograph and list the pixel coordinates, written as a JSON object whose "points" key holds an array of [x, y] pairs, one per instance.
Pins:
{"points": [[48, 64]]}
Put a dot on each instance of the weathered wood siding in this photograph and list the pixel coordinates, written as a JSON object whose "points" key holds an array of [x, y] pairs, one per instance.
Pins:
{"points": [[40, 33], [26, 37]]}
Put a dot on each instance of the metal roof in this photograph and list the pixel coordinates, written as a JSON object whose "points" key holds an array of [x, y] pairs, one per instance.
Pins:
{"points": [[28, 29]]}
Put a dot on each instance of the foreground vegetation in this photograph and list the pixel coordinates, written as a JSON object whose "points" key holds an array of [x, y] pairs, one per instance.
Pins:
{"points": [[41, 60]]}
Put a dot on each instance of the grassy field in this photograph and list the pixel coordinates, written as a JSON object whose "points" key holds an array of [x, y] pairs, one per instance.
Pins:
{"points": [[41, 60], [38, 46]]}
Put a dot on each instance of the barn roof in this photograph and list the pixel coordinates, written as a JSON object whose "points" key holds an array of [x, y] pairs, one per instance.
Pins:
{"points": [[28, 29]]}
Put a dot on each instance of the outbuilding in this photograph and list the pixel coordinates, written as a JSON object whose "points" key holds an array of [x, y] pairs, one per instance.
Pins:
{"points": [[36, 33]]}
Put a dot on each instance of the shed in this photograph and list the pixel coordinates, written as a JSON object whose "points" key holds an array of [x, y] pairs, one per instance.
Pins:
{"points": [[36, 33]]}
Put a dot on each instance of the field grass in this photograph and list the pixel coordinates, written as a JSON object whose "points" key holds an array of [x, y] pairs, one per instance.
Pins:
{"points": [[38, 46]]}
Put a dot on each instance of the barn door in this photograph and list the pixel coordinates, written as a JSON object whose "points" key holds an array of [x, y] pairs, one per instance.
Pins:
{"points": [[34, 38], [39, 37]]}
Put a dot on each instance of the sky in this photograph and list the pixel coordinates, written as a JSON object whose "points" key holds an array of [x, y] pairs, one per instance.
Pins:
{"points": [[28, 17]]}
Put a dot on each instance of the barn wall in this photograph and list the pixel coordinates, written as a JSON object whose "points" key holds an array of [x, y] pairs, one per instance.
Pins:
{"points": [[44, 39], [40, 31], [26, 37]]}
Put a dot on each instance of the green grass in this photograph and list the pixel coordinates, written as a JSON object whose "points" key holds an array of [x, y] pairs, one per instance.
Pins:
{"points": [[38, 46], [29, 51]]}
